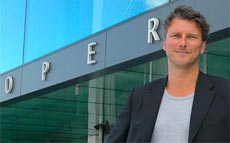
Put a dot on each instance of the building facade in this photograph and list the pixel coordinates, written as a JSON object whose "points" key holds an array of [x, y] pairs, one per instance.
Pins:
{"points": [[67, 67]]}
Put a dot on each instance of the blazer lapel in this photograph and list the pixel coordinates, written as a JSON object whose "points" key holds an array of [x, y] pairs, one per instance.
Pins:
{"points": [[202, 101], [151, 106]]}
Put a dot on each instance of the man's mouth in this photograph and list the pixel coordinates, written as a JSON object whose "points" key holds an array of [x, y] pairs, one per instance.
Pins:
{"points": [[182, 52]]}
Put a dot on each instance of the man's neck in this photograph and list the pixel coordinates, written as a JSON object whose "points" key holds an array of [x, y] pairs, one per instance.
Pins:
{"points": [[182, 82]]}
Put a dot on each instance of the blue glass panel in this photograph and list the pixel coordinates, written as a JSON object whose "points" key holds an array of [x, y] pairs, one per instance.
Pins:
{"points": [[53, 24], [116, 11], [12, 16]]}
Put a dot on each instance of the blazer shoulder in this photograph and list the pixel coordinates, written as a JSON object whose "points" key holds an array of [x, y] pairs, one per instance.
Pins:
{"points": [[221, 87], [212, 80], [220, 82]]}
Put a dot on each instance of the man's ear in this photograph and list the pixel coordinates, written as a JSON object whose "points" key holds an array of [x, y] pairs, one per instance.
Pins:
{"points": [[203, 47], [164, 45]]}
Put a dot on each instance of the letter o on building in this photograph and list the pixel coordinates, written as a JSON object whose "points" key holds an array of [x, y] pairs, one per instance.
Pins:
{"points": [[9, 82]]}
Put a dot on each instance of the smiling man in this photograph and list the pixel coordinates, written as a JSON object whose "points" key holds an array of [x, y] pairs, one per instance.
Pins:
{"points": [[188, 105]]}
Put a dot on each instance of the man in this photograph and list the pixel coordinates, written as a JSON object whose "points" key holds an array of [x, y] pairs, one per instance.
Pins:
{"points": [[188, 105]]}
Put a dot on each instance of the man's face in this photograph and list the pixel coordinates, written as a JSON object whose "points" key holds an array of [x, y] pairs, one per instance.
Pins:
{"points": [[183, 43]]}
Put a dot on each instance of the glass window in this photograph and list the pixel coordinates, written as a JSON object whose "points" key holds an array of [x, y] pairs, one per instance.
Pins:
{"points": [[12, 15], [216, 59], [53, 24], [71, 114]]}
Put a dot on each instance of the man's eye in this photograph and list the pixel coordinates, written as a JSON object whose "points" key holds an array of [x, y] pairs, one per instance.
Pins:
{"points": [[192, 37], [175, 36]]}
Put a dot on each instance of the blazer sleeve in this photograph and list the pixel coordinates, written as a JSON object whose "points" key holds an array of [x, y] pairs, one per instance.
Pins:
{"points": [[120, 130]]}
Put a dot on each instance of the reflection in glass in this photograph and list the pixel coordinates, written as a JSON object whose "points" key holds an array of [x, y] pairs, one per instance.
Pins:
{"points": [[216, 60], [70, 114], [53, 26]]}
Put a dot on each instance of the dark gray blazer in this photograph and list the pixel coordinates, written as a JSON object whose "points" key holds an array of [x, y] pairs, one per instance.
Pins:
{"points": [[209, 118]]}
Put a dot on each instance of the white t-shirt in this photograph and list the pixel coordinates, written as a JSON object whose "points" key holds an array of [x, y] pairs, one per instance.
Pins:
{"points": [[173, 119]]}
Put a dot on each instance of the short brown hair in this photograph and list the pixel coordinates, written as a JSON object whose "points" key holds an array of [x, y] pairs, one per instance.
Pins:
{"points": [[187, 13]]}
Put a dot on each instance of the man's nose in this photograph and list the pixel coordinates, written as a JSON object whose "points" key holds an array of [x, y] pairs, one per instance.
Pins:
{"points": [[183, 42]]}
